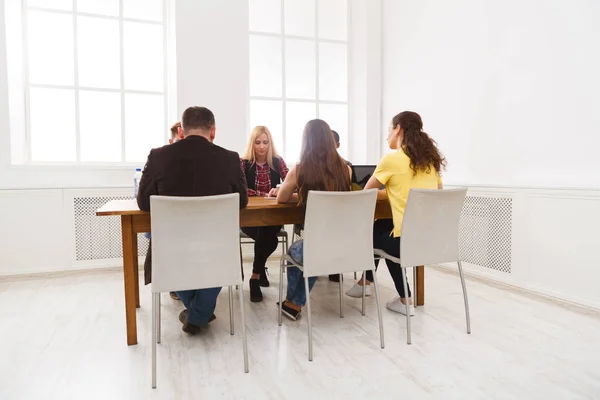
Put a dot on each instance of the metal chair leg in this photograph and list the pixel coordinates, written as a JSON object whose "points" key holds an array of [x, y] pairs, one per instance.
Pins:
{"points": [[154, 327], [364, 291], [281, 268], [158, 330], [415, 286], [310, 346], [341, 296], [464, 288], [376, 287], [408, 339], [244, 341], [231, 324]]}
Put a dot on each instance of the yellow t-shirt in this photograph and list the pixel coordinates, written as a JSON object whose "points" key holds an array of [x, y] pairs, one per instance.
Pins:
{"points": [[395, 173]]}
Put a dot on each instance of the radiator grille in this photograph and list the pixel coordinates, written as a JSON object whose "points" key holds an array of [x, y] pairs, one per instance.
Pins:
{"points": [[486, 232], [99, 238]]}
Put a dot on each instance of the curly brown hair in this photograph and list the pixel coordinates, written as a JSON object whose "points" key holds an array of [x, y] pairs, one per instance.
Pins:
{"points": [[418, 146]]}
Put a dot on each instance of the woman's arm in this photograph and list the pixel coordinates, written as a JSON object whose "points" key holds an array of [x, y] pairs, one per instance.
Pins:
{"points": [[373, 183], [286, 191]]}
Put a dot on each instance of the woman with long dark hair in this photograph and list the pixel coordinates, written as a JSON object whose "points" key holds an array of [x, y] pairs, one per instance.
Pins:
{"points": [[320, 168], [416, 163]]}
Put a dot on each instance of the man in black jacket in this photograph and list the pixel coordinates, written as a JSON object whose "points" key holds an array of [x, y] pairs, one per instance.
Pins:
{"points": [[193, 166]]}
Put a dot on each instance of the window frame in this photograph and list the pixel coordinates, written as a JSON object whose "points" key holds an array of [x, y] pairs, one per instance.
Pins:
{"points": [[25, 85], [317, 101]]}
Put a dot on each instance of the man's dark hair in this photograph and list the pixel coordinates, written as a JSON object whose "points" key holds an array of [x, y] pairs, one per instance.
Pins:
{"points": [[197, 118], [336, 137]]}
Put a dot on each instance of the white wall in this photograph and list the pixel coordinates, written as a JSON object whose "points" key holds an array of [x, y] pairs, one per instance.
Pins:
{"points": [[210, 47], [510, 90]]}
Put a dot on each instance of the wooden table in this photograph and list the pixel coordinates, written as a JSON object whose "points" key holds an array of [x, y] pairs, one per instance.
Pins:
{"points": [[259, 212]]}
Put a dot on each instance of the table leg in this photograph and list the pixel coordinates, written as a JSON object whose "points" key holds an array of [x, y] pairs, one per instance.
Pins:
{"points": [[420, 286], [129, 237], [136, 269]]}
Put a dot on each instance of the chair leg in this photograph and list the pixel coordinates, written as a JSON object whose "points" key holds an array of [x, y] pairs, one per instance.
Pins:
{"points": [[415, 286], [244, 341], [341, 296], [281, 269], [408, 339], [364, 291], [376, 287], [231, 324], [464, 288], [154, 328], [310, 346], [158, 309]]}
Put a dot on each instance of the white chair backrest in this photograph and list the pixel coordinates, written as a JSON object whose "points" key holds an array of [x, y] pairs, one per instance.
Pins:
{"points": [[430, 226], [338, 232], [195, 242]]}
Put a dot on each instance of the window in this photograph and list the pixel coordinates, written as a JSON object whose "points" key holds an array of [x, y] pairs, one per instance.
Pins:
{"points": [[298, 68], [94, 80]]}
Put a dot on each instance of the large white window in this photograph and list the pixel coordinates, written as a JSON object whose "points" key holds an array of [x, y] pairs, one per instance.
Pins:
{"points": [[94, 76], [298, 68]]}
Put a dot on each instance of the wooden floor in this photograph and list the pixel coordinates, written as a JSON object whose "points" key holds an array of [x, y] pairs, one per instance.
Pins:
{"points": [[64, 338]]}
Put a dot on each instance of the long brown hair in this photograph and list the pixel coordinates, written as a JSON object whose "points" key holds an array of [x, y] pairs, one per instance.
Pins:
{"points": [[418, 146], [320, 166]]}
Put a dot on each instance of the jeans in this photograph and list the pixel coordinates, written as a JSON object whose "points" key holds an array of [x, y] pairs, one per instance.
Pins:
{"points": [[391, 245], [296, 292], [265, 243], [200, 304]]}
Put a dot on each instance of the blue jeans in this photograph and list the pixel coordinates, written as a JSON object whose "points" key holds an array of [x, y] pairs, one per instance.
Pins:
{"points": [[200, 304], [296, 292]]}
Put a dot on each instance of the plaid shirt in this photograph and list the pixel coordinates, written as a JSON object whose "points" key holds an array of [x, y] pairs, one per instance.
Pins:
{"points": [[263, 177]]}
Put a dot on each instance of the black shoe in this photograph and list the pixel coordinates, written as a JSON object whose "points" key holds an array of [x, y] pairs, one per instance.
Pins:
{"points": [[334, 278], [289, 312], [255, 293], [262, 280]]}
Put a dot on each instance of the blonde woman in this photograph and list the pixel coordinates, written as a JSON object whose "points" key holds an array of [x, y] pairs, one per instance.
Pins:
{"points": [[264, 170]]}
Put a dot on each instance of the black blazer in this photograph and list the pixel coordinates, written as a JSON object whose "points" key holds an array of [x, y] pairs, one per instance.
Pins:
{"points": [[190, 167]]}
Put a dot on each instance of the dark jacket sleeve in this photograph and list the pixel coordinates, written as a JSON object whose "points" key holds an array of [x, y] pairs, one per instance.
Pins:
{"points": [[147, 185], [240, 186]]}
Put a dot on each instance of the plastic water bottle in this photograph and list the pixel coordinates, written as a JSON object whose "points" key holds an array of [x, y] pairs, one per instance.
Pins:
{"points": [[136, 181]]}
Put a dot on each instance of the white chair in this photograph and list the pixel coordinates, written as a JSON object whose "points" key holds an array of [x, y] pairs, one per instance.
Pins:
{"points": [[338, 238], [195, 246], [430, 236]]}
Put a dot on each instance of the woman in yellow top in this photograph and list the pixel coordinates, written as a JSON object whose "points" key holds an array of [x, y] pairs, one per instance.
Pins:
{"points": [[417, 163]]}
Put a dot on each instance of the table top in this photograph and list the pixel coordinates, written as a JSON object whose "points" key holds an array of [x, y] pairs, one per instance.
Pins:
{"points": [[130, 207]]}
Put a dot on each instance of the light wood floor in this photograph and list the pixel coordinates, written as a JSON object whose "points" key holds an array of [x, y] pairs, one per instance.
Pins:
{"points": [[64, 338]]}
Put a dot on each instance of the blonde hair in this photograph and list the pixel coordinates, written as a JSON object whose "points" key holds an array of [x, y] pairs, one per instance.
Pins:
{"points": [[271, 153]]}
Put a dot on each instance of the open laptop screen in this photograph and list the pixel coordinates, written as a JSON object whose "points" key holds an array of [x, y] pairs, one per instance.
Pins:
{"points": [[361, 175]]}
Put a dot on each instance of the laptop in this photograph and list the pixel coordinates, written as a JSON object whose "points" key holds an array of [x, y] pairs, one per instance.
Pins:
{"points": [[361, 175]]}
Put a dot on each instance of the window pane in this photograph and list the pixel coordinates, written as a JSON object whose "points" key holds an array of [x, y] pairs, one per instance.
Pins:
{"points": [[333, 17], [100, 126], [53, 4], [52, 124], [103, 7], [98, 54], [265, 16], [299, 17], [50, 40], [296, 116], [332, 72], [336, 115], [300, 80], [144, 125], [151, 10], [143, 52], [265, 66], [270, 114]]}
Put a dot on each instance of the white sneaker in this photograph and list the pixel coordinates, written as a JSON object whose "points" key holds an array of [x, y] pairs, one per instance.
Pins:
{"points": [[356, 291], [397, 306]]}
